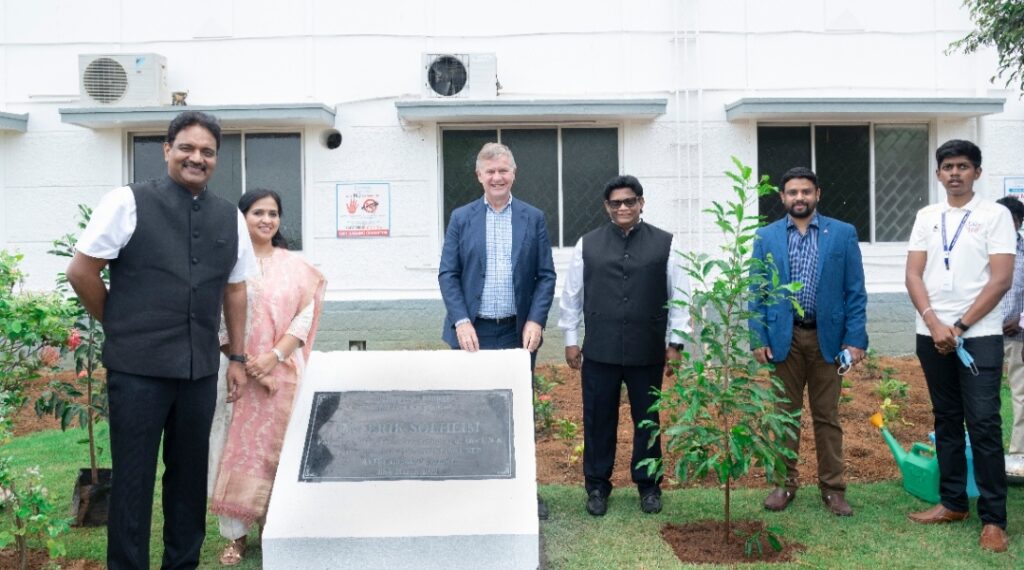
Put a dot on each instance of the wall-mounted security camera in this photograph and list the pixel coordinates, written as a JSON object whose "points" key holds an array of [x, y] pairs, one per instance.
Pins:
{"points": [[330, 138]]}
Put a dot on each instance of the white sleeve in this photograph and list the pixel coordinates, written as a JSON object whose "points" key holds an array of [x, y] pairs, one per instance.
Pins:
{"points": [[111, 225], [679, 290], [571, 303], [1003, 236], [919, 235], [245, 265]]}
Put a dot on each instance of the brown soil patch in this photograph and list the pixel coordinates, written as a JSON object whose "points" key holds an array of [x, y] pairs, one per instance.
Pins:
{"points": [[26, 421], [866, 455], [701, 543], [39, 559]]}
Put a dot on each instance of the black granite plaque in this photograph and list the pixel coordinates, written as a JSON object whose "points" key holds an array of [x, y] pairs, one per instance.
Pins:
{"points": [[394, 435]]}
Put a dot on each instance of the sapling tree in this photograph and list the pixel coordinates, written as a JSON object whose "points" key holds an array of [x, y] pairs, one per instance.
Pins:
{"points": [[722, 409], [65, 400]]}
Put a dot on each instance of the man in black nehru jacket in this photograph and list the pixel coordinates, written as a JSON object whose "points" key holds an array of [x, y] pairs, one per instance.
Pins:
{"points": [[177, 254], [621, 280]]}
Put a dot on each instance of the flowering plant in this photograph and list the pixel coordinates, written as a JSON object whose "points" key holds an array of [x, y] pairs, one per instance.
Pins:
{"points": [[25, 500], [33, 329]]}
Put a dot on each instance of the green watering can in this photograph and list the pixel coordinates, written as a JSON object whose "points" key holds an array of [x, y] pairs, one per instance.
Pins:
{"points": [[920, 467]]}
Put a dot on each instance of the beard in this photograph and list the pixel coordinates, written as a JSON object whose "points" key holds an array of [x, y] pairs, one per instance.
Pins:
{"points": [[807, 212]]}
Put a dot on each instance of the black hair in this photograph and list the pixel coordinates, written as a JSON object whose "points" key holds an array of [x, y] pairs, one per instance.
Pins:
{"points": [[257, 194], [957, 147], [799, 172], [189, 118], [623, 181], [1014, 205]]}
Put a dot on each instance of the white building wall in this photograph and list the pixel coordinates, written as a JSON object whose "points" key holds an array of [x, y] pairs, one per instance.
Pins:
{"points": [[362, 57]]}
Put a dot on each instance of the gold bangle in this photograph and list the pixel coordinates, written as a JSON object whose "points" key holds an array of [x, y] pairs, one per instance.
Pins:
{"points": [[925, 312]]}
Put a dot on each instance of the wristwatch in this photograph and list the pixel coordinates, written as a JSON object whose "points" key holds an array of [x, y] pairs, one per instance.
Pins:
{"points": [[676, 345], [960, 325], [237, 358]]}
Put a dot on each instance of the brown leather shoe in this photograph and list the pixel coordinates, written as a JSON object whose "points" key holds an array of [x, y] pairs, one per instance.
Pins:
{"points": [[938, 515], [836, 502], [994, 538], [779, 499]]}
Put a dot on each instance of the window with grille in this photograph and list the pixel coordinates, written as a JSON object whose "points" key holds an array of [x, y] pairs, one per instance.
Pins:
{"points": [[872, 176], [560, 170], [244, 161]]}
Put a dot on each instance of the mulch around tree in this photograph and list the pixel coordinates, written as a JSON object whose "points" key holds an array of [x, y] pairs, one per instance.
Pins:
{"points": [[701, 543], [865, 453]]}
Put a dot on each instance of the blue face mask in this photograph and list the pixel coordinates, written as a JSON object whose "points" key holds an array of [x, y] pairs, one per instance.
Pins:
{"points": [[965, 357], [844, 361]]}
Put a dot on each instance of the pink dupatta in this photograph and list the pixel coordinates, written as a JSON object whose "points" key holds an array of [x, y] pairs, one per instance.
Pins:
{"points": [[253, 448]]}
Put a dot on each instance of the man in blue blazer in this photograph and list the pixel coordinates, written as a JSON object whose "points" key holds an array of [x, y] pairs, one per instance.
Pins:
{"points": [[497, 276], [823, 254]]}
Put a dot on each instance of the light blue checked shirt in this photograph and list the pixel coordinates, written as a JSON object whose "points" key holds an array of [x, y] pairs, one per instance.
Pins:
{"points": [[1013, 301], [499, 298], [803, 264]]}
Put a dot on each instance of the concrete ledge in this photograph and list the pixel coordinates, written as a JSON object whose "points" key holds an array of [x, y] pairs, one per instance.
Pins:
{"points": [[823, 108], [271, 115], [481, 551], [523, 110], [13, 122], [415, 324]]}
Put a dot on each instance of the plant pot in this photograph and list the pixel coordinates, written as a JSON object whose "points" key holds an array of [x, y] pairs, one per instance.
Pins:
{"points": [[91, 503]]}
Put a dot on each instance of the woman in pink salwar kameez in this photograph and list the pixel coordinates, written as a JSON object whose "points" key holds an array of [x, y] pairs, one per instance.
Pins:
{"points": [[285, 302]]}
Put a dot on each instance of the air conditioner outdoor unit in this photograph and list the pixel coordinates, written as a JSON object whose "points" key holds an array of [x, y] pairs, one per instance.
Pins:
{"points": [[472, 75], [123, 79]]}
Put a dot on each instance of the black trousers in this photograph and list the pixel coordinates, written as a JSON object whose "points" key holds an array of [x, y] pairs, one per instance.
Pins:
{"points": [[142, 408], [602, 386], [957, 396]]}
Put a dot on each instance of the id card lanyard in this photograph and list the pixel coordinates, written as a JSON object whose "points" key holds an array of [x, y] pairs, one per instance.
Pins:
{"points": [[947, 248]]}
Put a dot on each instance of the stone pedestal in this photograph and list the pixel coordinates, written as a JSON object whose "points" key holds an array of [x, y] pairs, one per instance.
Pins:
{"points": [[413, 459]]}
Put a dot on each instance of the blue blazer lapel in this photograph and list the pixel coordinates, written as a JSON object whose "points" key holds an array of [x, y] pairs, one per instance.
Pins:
{"points": [[780, 248], [824, 242], [478, 232], [519, 223]]}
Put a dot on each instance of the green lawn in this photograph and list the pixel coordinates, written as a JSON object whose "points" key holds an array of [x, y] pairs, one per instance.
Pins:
{"points": [[878, 536]]}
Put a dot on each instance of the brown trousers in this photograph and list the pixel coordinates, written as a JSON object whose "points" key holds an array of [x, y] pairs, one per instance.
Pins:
{"points": [[805, 367]]}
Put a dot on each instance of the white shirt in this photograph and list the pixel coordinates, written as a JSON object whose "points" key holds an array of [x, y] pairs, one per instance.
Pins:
{"points": [[113, 222], [571, 303], [988, 231]]}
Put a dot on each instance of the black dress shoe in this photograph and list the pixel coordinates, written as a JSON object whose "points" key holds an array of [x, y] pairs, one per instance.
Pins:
{"points": [[651, 503], [597, 504], [542, 509]]}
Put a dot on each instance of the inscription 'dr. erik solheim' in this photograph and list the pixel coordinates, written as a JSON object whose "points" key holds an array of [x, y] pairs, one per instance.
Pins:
{"points": [[393, 435]]}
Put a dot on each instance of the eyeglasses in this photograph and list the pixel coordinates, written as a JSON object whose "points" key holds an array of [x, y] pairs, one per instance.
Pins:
{"points": [[628, 202]]}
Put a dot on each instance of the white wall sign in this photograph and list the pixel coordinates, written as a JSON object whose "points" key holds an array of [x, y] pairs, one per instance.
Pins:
{"points": [[1014, 186], [363, 209]]}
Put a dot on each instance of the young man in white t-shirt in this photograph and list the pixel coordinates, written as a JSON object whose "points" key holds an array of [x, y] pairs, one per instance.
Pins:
{"points": [[959, 266]]}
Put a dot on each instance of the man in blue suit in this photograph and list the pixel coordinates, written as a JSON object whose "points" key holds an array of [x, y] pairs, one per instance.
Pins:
{"points": [[823, 254], [497, 276]]}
